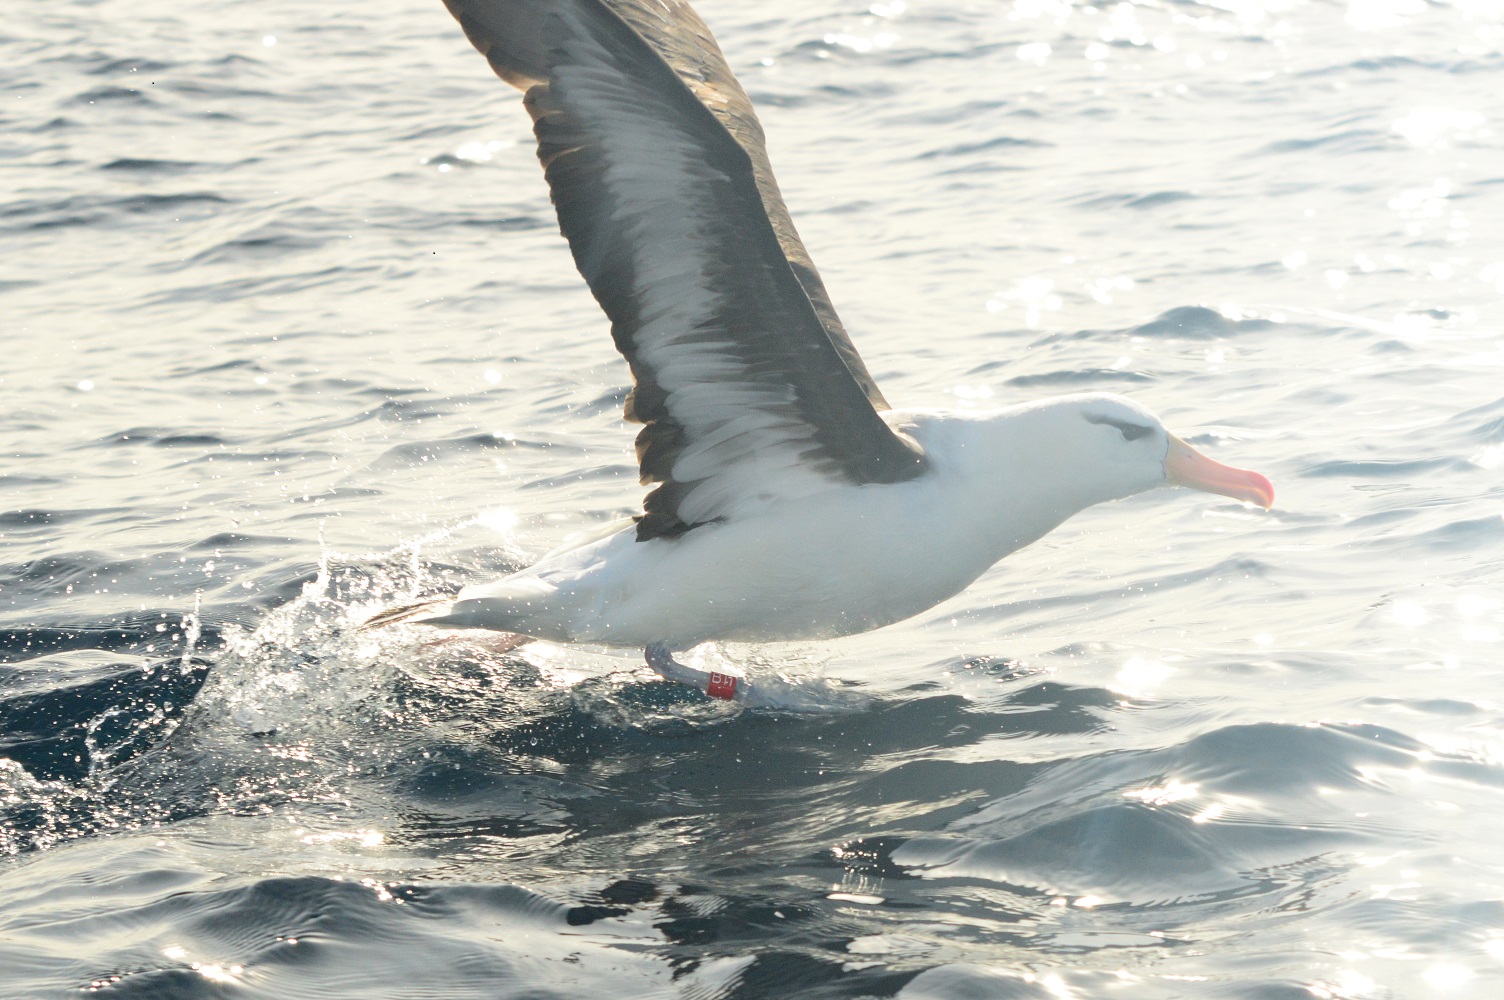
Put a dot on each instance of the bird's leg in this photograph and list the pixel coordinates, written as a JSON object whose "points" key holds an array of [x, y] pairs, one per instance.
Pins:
{"points": [[712, 682]]}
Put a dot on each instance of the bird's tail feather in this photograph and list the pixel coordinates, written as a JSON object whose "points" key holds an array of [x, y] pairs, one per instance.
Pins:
{"points": [[405, 613]]}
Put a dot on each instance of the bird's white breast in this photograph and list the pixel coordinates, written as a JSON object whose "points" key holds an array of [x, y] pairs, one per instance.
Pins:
{"points": [[837, 562]]}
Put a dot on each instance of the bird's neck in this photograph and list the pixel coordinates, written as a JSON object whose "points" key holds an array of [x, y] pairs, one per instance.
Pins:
{"points": [[1005, 485]]}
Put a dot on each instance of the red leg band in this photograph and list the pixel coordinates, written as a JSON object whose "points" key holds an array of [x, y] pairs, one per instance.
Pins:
{"points": [[721, 686]]}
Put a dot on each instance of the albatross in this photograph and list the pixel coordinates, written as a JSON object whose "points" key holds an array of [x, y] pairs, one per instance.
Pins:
{"points": [[788, 500]]}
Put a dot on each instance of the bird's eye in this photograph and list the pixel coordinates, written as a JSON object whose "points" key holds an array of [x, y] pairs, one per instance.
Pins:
{"points": [[1131, 432]]}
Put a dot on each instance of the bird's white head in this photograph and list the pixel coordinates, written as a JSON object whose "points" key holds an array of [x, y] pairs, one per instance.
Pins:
{"points": [[1124, 449]]}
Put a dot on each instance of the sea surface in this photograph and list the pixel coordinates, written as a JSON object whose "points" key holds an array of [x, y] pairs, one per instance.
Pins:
{"points": [[288, 333]]}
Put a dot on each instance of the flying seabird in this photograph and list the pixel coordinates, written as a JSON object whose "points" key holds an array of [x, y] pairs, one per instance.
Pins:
{"points": [[789, 501]]}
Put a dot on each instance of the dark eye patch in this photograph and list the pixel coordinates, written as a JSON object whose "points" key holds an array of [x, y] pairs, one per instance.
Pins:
{"points": [[1131, 432]]}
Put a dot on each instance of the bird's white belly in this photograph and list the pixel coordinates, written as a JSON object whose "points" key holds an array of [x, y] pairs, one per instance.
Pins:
{"points": [[827, 565]]}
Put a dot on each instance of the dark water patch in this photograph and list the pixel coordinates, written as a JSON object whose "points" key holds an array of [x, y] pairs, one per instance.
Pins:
{"points": [[1381, 469], [93, 570], [159, 437], [328, 384], [1078, 377], [434, 218], [283, 335], [55, 124], [1135, 201], [234, 364], [699, 916], [190, 441], [1214, 439], [1429, 706], [1285, 769], [1051, 708], [417, 452], [1463, 535], [237, 62], [292, 936], [432, 131], [854, 206], [1197, 322], [276, 456], [914, 55], [928, 794], [1120, 851], [38, 518], [391, 393], [776, 972], [609, 402], [239, 540], [201, 89], [873, 857], [129, 634], [1213, 818], [965, 112], [85, 210], [874, 90], [464, 789], [272, 587], [10, 285], [1348, 141], [1386, 64], [128, 64], [614, 472], [978, 982], [75, 211], [1321, 396], [506, 224], [289, 936], [69, 714], [393, 410], [972, 170], [578, 733], [764, 98], [59, 569], [450, 160], [21, 482], [130, 164], [1480, 773], [251, 248], [235, 289], [114, 95], [670, 760], [999, 668], [984, 146], [1157, 198], [1491, 429], [1189, 322], [1207, 578], [1277, 761], [1383, 519]]}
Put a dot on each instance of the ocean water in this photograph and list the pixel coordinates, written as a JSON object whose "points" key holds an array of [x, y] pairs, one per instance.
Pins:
{"points": [[287, 333]]}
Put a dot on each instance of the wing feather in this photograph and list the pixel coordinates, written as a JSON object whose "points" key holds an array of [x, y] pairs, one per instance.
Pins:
{"points": [[746, 382]]}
